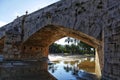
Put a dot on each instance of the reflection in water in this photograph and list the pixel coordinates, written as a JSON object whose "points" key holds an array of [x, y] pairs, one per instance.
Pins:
{"points": [[76, 69], [25, 70]]}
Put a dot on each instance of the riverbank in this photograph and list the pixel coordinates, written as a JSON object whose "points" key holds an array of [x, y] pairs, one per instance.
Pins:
{"points": [[53, 57]]}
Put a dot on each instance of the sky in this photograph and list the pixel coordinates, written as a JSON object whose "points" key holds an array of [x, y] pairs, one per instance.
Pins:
{"points": [[10, 9], [61, 41]]}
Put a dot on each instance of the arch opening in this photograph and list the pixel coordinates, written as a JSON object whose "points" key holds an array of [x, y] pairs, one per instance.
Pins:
{"points": [[72, 59], [37, 45]]}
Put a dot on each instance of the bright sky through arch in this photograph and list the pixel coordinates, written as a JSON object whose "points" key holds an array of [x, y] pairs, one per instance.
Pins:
{"points": [[61, 41], [10, 9]]}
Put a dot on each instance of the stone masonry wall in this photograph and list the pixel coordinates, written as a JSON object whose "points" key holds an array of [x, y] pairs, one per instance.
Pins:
{"points": [[112, 41], [13, 39], [71, 14]]}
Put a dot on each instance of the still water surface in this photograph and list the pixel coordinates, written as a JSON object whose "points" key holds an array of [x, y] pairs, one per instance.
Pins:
{"points": [[72, 67], [62, 68]]}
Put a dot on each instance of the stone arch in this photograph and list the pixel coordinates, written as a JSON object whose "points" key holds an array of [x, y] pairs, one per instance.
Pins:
{"points": [[44, 37]]}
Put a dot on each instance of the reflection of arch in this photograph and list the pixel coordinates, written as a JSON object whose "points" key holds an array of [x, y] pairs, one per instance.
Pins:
{"points": [[44, 37]]}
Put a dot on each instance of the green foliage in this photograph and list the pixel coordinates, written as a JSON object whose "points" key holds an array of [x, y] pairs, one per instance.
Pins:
{"points": [[68, 40], [77, 48]]}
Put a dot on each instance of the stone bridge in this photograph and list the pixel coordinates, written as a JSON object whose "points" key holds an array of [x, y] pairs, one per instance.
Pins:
{"points": [[95, 22]]}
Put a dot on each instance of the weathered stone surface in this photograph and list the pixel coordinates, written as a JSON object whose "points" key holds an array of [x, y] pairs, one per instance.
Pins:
{"points": [[112, 41]]}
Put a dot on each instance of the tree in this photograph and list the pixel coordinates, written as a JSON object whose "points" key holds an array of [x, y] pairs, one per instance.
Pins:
{"points": [[85, 47], [78, 47], [76, 41], [68, 40]]}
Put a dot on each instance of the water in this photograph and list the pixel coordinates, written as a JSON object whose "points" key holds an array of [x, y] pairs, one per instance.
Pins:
{"points": [[25, 70], [60, 68], [72, 68]]}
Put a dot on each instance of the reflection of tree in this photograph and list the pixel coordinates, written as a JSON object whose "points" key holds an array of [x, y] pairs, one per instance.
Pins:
{"points": [[67, 68], [73, 67], [73, 62], [66, 62], [53, 70], [75, 70], [57, 61], [52, 67], [87, 65]]}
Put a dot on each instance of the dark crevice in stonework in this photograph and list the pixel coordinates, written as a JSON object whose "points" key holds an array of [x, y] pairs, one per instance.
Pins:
{"points": [[75, 19], [36, 48], [65, 9], [78, 4], [48, 15], [80, 9], [24, 47], [30, 47], [38, 17], [22, 27], [100, 36]]}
